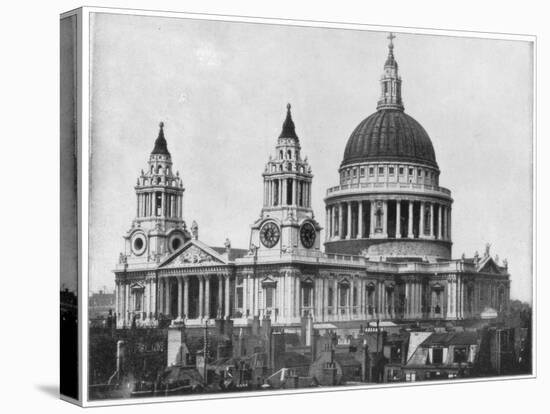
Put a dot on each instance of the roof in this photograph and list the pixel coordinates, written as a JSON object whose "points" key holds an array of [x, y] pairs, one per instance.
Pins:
{"points": [[451, 338], [324, 326], [346, 360], [288, 130], [415, 340], [161, 147], [233, 253], [389, 135]]}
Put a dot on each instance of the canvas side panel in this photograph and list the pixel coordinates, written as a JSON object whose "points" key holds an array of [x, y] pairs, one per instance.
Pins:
{"points": [[69, 376]]}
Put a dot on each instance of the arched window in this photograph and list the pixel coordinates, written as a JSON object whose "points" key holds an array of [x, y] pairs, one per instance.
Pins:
{"points": [[289, 154], [281, 154]]}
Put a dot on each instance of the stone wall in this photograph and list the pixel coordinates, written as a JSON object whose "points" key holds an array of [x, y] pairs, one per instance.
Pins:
{"points": [[399, 248]]}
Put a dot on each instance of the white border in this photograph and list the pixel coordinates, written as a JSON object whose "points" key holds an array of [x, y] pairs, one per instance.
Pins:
{"points": [[84, 124]]}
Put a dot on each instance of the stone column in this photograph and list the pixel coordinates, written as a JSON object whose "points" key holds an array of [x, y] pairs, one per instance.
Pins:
{"points": [[227, 289], [127, 302], [451, 310], [398, 219], [414, 295], [201, 296], [379, 304], [167, 299], [297, 301], [335, 298], [449, 223], [284, 192], [410, 234], [348, 221], [444, 227], [186, 297], [421, 294], [207, 296], [431, 220], [146, 297], [360, 220], [439, 221], [295, 192], [421, 226], [340, 220], [460, 298], [117, 300], [160, 296], [333, 229], [180, 297], [327, 224], [408, 299], [372, 219], [254, 296], [245, 295], [385, 218], [219, 310]]}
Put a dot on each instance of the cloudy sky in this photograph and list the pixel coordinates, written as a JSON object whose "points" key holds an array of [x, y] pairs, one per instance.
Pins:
{"points": [[221, 88]]}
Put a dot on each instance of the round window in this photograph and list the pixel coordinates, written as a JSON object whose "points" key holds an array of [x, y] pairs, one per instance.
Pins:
{"points": [[176, 243], [138, 243]]}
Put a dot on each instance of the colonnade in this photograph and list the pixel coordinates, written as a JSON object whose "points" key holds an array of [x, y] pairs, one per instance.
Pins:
{"points": [[170, 204], [173, 298], [289, 296], [403, 218], [283, 191]]}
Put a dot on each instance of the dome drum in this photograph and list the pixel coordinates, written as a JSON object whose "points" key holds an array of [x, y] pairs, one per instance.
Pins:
{"points": [[403, 250], [355, 223]]}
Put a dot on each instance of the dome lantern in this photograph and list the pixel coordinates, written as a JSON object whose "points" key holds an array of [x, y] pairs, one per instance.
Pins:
{"points": [[390, 83]]}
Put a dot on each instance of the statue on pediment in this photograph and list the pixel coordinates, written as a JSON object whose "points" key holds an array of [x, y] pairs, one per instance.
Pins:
{"points": [[487, 250], [195, 230]]}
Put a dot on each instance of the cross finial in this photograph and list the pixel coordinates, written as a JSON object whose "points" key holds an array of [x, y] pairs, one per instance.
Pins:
{"points": [[391, 36], [288, 106], [161, 124]]}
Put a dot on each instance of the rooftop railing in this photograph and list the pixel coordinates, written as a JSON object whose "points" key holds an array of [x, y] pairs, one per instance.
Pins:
{"points": [[360, 187]]}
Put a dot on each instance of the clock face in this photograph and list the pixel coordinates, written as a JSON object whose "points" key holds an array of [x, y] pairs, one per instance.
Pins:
{"points": [[269, 234], [307, 235]]}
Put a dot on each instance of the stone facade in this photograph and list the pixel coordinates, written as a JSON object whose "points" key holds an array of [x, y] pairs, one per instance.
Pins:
{"points": [[387, 248]]}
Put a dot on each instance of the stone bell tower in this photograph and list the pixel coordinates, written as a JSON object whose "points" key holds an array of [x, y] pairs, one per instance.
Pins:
{"points": [[287, 223], [158, 228]]}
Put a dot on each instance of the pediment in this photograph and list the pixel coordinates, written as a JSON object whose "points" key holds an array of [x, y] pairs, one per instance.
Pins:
{"points": [[193, 254], [137, 286], [269, 282], [489, 266]]}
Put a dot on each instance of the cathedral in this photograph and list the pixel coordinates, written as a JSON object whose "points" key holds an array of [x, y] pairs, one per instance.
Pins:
{"points": [[387, 252]]}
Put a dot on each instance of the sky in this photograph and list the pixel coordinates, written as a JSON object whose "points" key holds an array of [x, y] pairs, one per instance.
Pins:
{"points": [[221, 88]]}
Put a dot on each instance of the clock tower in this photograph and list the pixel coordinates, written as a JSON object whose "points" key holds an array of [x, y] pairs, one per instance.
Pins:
{"points": [[287, 223], [158, 228]]}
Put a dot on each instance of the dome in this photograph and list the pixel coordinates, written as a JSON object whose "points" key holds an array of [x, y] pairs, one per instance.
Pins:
{"points": [[389, 135]]}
